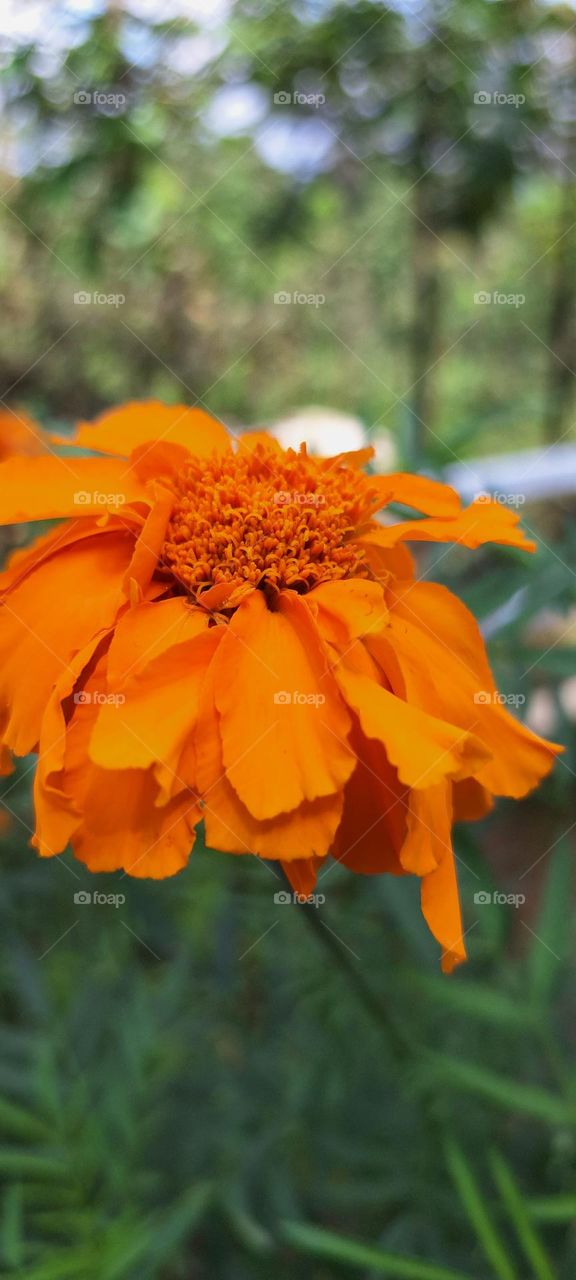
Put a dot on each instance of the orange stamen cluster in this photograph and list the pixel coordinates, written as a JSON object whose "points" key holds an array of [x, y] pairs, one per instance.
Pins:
{"points": [[266, 518]]}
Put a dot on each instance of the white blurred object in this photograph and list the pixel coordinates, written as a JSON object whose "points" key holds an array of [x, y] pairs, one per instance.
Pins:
{"points": [[541, 709], [532, 474], [328, 431]]}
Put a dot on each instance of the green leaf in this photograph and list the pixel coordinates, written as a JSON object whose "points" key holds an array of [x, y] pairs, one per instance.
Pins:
{"points": [[528, 1238], [551, 941], [503, 1092], [31, 1164], [325, 1244], [66, 1264], [478, 1212], [249, 1232], [484, 1004], [560, 1208], [11, 1232], [17, 1122]]}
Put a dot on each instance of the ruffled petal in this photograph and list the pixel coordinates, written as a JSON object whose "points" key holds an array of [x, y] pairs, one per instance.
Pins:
{"points": [[470, 800], [426, 844], [347, 610], [283, 723], [439, 894], [112, 818], [423, 748], [147, 552], [122, 430], [373, 828], [477, 524], [20, 434], [56, 610], [48, 488], [123, 828], [26, 559], [230, 827], [302, 875], [438, 645], [149, 630], [428, 496], [146, 719], [249, 441], [386, 562]]}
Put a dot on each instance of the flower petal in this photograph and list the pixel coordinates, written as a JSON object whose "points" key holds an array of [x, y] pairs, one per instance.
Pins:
{"points": [[347, 610], [121, 430], [438, 645], [429, 496], [42, 626], [159, 710], [48, 488], [230, 827], [283, 722], [111, 817], [123, 828], [421, 747], [147, 631], [26, 559], [439, 894], [479, 523], [302, 875], [373, 828], [249, 441]]}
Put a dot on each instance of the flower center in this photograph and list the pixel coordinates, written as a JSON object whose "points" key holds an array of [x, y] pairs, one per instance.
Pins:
{"points": [[282, 520]]}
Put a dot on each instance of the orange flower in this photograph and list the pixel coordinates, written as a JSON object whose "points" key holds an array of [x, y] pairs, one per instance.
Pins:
{"points": [[222, 631], [19, 435]]}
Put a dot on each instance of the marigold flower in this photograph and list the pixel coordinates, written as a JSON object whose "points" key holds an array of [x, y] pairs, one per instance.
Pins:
{"points": [[222, 630], [19, 435]]}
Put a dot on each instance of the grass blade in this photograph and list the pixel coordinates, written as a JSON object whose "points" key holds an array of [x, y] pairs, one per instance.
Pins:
{"points": [[528, 1238], [481, 1222], [325, 1244]]}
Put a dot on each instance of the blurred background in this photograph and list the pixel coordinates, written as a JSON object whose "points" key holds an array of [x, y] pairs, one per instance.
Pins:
{"points": [[359, 217]]}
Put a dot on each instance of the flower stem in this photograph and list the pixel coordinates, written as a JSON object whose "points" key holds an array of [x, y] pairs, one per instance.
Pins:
{"points": [[398, 1039]]}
